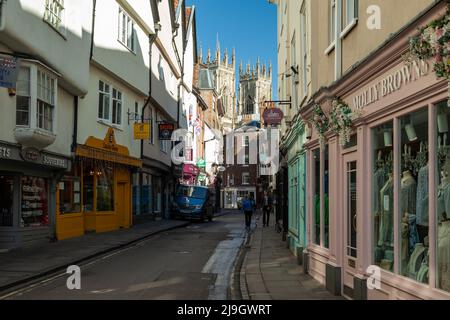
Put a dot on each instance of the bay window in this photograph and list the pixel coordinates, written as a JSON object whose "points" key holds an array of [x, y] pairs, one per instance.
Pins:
{"points": [[23, 97], [36, 95]]}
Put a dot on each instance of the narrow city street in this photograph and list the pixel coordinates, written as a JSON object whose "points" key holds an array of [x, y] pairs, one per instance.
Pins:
{"points": [[191, 263]]}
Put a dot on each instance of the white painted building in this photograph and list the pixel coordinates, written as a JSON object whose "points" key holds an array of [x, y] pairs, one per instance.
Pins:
{"points": [[51, 41]]}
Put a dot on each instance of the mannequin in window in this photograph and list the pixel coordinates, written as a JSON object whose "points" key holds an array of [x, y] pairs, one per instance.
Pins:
{"points": [[422, 193], [443, 197], [379, 180], [443, 256], [386, 231]]}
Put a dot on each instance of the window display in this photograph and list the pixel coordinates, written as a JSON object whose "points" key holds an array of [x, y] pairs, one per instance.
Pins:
{"points": [[443, 198], [88, 188], [317, 187], [105, 187], [70, 193], [34, 202], [326, 214], [413, 200], [383, 196], [6, 201]]}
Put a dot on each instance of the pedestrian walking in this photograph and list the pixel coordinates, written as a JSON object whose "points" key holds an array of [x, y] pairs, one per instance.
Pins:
{"points": [[248, 208], [267, 208]]}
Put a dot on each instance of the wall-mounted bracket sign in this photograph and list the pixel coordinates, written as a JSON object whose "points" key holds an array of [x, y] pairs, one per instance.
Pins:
{"points": [[273, 116], [9, 70], [141, 131], [166, 130]]}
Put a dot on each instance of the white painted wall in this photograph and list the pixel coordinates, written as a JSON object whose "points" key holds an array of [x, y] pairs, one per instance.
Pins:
{"points": [[110, 53], [25, 31], [88, 123]]}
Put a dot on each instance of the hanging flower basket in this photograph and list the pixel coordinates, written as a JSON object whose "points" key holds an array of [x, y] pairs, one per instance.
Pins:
{"points": [[433, 42], [342, 117], [321, 124]]}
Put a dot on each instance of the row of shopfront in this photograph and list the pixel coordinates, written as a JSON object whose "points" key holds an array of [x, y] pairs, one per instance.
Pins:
{"points": [[102, 188], [378, 197]]}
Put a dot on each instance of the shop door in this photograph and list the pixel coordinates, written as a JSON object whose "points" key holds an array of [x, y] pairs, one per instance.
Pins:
{"points": [[123, 207], [350, 221]]}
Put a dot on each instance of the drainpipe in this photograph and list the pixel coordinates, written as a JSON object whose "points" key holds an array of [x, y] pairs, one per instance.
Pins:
{"points": [[75, 124], [2, 22], [338, 46], [93, 28]]}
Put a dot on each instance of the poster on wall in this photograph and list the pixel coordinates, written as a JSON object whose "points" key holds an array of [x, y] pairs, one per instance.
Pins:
{"points": [[9, 70]]}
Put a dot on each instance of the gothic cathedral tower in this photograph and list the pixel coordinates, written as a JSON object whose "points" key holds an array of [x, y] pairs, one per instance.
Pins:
{"points": [[255, 87], [223, 71]]}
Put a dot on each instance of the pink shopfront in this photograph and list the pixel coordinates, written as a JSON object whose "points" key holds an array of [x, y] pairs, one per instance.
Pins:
{"points": [[380, 202]]}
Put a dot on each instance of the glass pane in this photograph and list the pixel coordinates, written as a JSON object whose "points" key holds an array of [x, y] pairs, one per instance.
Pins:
{"points": [[22, 111], [105, 188], [88, 188], [352, 209], [34, 202], [443, 198], [6, 200], [326, 212], [70, 193], [383, 195], [414, 194], [316, 186]]}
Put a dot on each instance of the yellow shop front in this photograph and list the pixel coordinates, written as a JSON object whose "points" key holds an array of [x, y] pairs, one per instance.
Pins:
{"points": [[96, 195]]}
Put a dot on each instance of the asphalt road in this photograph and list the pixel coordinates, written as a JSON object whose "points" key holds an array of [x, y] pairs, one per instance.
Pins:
{"points": [[192, 263]]}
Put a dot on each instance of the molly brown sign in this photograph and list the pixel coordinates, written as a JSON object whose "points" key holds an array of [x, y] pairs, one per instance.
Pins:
{"points": [[392, 83]]}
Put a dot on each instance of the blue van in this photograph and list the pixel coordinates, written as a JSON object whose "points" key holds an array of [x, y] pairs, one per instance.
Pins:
{"points": [[193, 202]]}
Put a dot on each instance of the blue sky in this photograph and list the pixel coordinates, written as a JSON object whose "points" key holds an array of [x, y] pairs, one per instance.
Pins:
{"points": [[248, 25]]}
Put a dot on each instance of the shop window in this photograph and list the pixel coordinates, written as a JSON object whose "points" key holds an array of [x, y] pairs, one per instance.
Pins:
{"points": [[34, 193], [88, 188], [105, 188], [383, 195], [6, 200], [70, 194], [443, 198], [326, 209], [317, 198], [413, 200]]}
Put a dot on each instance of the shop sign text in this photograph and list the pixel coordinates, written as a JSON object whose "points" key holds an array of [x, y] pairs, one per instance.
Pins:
{"points": [[392, 83], [5, 153]]}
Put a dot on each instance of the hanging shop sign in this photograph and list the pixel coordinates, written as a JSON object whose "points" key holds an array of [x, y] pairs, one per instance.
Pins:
{"points": [[201, 163], [9, 69], [273, 116], [190, 170], [142, 131], [202, 177], [166, 130]]}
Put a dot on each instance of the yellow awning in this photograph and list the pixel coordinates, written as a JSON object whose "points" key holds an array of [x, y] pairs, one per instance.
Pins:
{"points": [[98, 154]]}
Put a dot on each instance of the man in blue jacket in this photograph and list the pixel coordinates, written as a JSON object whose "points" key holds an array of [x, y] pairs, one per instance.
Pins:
{"points": [[248, 207]]}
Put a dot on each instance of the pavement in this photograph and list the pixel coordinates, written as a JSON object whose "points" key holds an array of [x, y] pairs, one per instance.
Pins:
{"points": [[29, 263], [270, 271]]}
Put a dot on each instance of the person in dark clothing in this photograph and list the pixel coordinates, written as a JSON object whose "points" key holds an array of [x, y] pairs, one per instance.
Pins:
{"points": [[248, 207], [267, 208]]}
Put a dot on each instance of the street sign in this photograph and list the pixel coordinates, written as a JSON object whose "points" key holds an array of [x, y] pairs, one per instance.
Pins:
{"points": [[166, 130], [141, 131], [9, 69], [273, 116]]}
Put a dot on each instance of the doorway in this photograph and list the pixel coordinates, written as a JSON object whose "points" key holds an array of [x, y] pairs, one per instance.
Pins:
{"points": [[350, 219], [123, 210]]}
